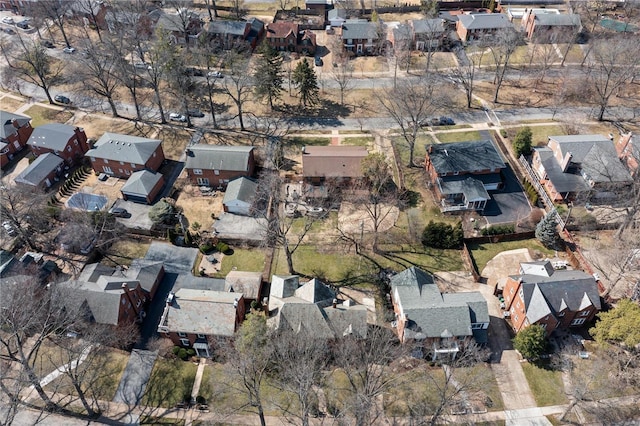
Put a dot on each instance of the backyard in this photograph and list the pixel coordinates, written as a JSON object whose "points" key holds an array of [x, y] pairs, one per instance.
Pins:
{"points": [[483, 253], [546, 385]]}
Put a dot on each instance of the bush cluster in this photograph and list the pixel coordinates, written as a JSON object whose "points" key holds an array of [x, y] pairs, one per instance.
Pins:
{"points": [[442, 235], [531, 192], [183, 353], [499, 230], [223, 247]]}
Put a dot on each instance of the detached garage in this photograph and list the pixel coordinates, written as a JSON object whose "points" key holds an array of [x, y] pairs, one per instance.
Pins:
{"points": [[239, 196], [143, 187]]}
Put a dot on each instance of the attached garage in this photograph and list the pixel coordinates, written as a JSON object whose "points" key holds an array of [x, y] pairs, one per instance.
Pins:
{"points": [[142, 187]]}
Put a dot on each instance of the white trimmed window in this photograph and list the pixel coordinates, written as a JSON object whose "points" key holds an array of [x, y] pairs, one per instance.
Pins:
{"points": [[585, 313], [181, 334], [216, 172], [185, 342], [200, 336], [197, 171], [578, 321]]}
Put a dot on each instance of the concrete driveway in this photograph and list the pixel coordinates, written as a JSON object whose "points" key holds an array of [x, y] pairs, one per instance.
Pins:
{"points": [[135, 377], [139, 218], [509, 204], [178, 260]]}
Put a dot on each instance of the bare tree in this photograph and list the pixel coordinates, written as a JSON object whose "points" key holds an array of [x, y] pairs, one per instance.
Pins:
{"points": [[464, 74], [410, 104], [238, 84], [501, 45], [96, 71], [157, 56], [342, 74], [55, 11], [24, 208], [211, 4], [616, 261], [91, 8]]}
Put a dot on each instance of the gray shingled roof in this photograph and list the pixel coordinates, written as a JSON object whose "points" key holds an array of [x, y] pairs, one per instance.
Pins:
{"points": [[563, 182], [175, 22], [315, 291], [103, 300], [234, 28], [303, 317], [6, 123], [243, 189], [36, 172], [205, 312], [472, 189], [359, 30], [558, 20], [484, 21], [283, 285], [129, 149], [402, 32], [465, 157], [424, 26], [141, 182], [247, 283], [53, 136], [337, 13], [144, 271], [333, 161], [343, 320], [214, 157], [93, 271], [198, 283]]}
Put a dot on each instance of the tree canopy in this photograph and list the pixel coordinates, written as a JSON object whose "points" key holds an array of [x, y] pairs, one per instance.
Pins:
{"points": [[442, 235], [531, 342], [161, 212], [522, 141], [619, 325], [547, 233], [305, 78]]}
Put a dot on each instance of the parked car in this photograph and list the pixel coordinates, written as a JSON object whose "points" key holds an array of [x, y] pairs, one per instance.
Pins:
{"points": [[69, 50], [195, 72], [195, 113], [142, 66], [62, 99], [446, 121], [119, 212], [7, 20], [215, 74], [23, 25], [48, 44], [318, 61], [8, 31], [9, 229], [174, 116]]}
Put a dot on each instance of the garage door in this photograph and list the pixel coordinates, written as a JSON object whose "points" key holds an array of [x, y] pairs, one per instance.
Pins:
{"points": [[136, 198]]}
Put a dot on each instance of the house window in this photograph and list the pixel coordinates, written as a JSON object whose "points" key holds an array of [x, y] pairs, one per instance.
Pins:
{"points": [[511, 290], [518, 305], [216, 172], [154, 154], [203, 181], [578, 321], [121, 171], [200, 336], [184, 342], [543, 325], [133, 166], [560, 314], [585, 313], [106, 161], [516, 318], [197, 171], [181, 334], [69, 148], [521, 294], [123, 302], [75, 141], [122, 163], [93, 159], [476, 326], [138, 304]]}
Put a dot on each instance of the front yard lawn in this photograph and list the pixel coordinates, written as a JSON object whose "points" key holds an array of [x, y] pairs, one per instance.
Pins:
{"points": [[42, 115], [483, 253], [125, 250], [539, 134], [471, 135], [251, 260], [546, 385], [170, 383]]}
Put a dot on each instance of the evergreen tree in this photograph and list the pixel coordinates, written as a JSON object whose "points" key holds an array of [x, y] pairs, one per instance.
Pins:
{"points": [[546, 231], [531, 342], [442, 235], [268, 74], [305, 78], [522, 142]]}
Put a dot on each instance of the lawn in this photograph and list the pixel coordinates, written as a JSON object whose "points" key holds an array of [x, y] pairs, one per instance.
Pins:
{"points": [[10, 104], [304, 141], [472, 135], [125, 250], [95, 126], [483, 253], [539, 134], [357, 140], [42, 115], [419, 150], [174, 141], [170, 383], [251, 260], [546, 385]]}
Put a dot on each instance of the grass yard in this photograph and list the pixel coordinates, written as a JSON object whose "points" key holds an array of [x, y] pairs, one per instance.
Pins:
{"points": [[251, 260], [539, 134], [49, 357], [174, 141], [10, 104], [304, 141], [472, 135], [358, 141], [95, 126], [170, 383], [483, 253], [123, 251], [42, 115], [575, 54], [546, 385], [419, 150]]}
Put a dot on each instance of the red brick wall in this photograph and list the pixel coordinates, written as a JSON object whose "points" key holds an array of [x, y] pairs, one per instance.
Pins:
{"points": [[123, 169], [73, 152], [219, 179]]}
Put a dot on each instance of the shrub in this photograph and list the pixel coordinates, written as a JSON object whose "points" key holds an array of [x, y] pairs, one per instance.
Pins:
{"points": [[255, 305], [531, 342], [503, 133], [522, 142], [222, 247], [206, 248], [442, 235], [531, 192], [498, 230], [188, 239]]}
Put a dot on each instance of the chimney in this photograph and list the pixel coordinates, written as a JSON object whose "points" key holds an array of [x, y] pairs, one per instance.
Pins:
{"points": [[566, 161], [304, 149], [15, 123], [611, 136], [335, 303]]}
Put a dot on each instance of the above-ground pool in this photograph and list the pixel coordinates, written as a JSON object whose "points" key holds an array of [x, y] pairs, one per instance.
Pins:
{"points": [[86, 201]]}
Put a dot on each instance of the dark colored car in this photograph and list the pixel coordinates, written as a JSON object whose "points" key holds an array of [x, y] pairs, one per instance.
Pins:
{"points": [[195, 72], [62, 99], [8, 31], [318, 61], [446, 121], [47, 44], [22, 25], [195, 113], [119, 212]]}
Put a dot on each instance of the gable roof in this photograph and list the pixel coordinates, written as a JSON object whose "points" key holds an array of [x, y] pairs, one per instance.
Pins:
{"points": [[424, 26], [206, 312], [557, 20], [141, 182], [402, 32], [247, 283], [146, 272], [102, 297], [347, 320], [214, 157], [303, 317], [93, 271], [353, 29], [315, 291], [461, 157], [192, 282], [36, 172], [335, 14], [472, 189], [541, 268], [484, 21], [6, 123], [176, 22], [333, 161], [53, 136], [126, 148], [284, 285], [282, 29], [224, 27], [562, 182], [242, 189]]}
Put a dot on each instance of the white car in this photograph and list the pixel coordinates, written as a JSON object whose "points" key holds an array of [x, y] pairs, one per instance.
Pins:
{"points": [[215, 74], [174, 116], [9, 228], [7, 20], [69, 50]]}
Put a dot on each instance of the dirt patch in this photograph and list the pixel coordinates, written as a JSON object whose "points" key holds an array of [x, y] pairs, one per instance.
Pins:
{"points": [[198, 208], [505, 264], [10, 103], [95, 126], [353, 220]]}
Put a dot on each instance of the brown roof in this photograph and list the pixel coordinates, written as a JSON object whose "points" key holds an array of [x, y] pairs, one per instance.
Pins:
{"points": [[333, 161], [281, 29]]}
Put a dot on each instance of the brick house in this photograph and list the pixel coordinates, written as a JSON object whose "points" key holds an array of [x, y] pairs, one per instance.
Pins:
{"points": [[225, 35], [477, 25], [194, 318], [42, 172], [542, 27], [215, 166], [553, 299], [342, 163], [122, 155], [428, 34], [362, 37], [441, 323], [89, 13], [143, 187], [286, 36], [183, 26], [580, 167], [15, 130], [67, 142], [461, 173]]}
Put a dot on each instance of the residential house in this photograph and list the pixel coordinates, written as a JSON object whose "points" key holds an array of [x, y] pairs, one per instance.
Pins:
{"points": [[362, 37], [31, 264], [287, 36], [319, 6], [441, 323], [194, 318], [342, 163], [249, 284], [337, 17], [67, 142], [629, 153], [477, 25], [15, 130], [88, 12], [239, 196], [461, 173], [256, 32], [541, 27], [313, 308], [122, 155], [216, 166], [580, 167], [147, 273], [400, 37], [183, 26], [553, 299], [143, 187], [225, 35], [18, 7], [42, 172], [428, 34]]}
